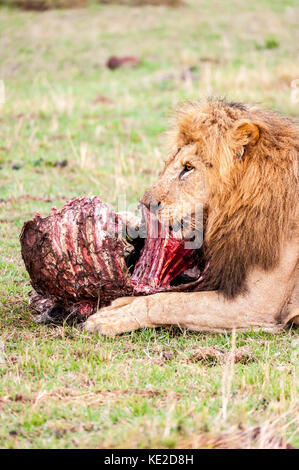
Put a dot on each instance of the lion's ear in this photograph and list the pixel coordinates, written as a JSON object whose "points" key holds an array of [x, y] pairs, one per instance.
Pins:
{"points": [[246, 132]]}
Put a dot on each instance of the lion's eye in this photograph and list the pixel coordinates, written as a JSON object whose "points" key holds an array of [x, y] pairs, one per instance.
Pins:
{"points": [[187, 168]]}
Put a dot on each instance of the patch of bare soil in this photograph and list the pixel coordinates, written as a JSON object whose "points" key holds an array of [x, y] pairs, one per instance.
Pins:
{"points": [[214, 355]]}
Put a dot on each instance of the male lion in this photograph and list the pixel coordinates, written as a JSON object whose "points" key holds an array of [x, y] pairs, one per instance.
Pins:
{"points": [[240, 163]]}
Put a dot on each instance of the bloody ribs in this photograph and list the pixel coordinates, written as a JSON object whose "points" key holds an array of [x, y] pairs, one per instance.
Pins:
{"points": [[77, 259]]}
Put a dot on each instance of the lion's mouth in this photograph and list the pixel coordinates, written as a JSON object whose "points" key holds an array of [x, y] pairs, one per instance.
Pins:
{"points": [[166, 261]]}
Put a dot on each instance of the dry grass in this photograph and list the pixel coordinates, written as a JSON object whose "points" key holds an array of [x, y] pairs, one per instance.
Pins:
{"points": [[61, 387]]}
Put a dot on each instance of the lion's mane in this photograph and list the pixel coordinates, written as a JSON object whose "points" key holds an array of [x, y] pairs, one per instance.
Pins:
{"points": [[252, 187]]}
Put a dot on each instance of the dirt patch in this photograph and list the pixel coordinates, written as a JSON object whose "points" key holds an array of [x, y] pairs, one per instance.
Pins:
{"points": [[214, 355]]}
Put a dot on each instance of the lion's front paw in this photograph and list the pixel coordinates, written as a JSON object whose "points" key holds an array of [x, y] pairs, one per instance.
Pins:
{"points": [[124, 314], [103, 322]]}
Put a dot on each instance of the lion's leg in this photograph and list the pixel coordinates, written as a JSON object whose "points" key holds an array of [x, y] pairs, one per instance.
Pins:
{"points": [[197, 311], [261, 307]]}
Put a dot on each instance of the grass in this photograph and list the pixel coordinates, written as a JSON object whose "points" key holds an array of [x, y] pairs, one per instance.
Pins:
{"points": [[61, 387]]}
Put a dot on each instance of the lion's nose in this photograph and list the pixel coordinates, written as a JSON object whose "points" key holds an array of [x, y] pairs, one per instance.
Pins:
{"points": [[153, 207], [150, 203]]}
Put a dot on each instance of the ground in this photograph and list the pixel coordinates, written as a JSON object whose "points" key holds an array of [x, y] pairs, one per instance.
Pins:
{"points": [[70, 127]]}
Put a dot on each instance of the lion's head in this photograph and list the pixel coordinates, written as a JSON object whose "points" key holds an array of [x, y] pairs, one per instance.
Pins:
{"points": [[238, 163]]}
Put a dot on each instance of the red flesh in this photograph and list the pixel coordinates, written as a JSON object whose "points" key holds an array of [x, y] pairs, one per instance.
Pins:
{"points": [[162, 259]]}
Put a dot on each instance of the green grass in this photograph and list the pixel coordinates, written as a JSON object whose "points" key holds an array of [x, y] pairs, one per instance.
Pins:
{"points": [[61, 387]]}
